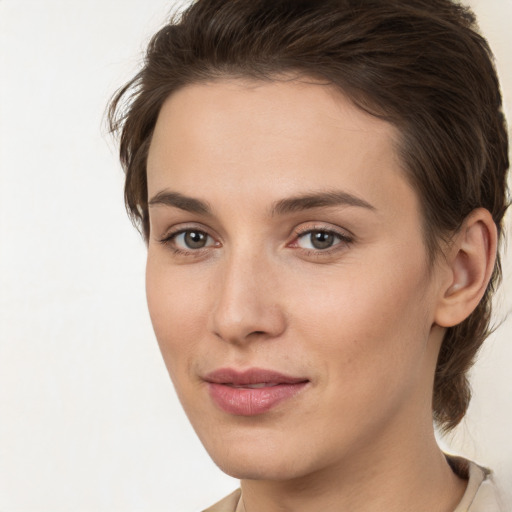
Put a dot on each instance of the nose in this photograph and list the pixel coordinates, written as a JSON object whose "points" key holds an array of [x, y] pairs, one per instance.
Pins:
{"points": [[246, 304]]}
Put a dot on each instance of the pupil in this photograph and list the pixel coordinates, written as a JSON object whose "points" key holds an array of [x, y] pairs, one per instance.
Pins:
{"points": [[321, 239], [195, 239]]}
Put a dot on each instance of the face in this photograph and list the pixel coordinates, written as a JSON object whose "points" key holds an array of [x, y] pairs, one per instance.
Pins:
{"points": [[287, 276]]}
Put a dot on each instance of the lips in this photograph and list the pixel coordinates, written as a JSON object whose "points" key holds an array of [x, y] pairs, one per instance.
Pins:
{"points": [[251, 392]]}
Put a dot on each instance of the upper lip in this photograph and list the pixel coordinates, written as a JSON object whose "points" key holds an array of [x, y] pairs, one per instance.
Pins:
{"points": [[250, 376]]}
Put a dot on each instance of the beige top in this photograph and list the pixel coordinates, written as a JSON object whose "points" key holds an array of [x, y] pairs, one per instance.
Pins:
{"points": [[481, 493]]}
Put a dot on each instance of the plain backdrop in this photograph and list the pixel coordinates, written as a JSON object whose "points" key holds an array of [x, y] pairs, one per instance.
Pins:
{"points": [[88, 417]]}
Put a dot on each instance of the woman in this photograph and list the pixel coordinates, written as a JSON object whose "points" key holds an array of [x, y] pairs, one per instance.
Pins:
{"points": [[321, 186]]}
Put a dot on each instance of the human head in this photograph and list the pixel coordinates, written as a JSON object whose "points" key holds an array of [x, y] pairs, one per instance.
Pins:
{"points": [[420, 65]]}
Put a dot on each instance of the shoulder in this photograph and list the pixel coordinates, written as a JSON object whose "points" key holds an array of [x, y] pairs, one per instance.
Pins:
{"points": [[227, 504], [482, 494]]}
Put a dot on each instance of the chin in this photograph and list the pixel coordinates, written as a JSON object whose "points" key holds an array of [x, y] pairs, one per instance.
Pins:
{"points": [[260, 457], [259, 469]]}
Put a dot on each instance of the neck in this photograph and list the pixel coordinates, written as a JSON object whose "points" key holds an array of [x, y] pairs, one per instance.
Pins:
{"points": [[409, 473]]}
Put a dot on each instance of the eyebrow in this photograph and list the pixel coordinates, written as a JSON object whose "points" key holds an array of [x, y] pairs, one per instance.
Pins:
{"points": [[319, 200], [177, 200], [281, 207]]}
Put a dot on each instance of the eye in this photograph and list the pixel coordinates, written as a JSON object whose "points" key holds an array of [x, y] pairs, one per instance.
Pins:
{"points": [[320, 239], [189, 240], [317, 240]]}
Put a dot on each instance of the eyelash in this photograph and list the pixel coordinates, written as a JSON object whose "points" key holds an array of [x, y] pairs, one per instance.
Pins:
{"points": [[343, 241]]}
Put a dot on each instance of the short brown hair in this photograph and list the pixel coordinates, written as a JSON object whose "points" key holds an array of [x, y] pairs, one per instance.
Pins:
{"points": [[419, 64]]}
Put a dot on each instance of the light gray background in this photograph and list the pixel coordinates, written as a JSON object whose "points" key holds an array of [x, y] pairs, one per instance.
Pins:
{"points": [[88, 417]]}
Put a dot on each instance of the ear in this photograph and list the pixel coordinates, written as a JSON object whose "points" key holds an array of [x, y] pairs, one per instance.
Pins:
{"points": [[470, 262]]}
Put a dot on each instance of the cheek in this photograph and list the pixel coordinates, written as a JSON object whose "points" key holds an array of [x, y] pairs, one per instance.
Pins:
{"points": [[366, 340], [371, 321], [177, 307]]}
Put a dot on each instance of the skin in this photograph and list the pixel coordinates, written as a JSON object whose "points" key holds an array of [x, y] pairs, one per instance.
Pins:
{"points": [[362, 320]]}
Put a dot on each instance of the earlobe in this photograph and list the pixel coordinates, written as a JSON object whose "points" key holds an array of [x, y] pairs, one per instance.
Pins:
{"points": [[470, 259]]}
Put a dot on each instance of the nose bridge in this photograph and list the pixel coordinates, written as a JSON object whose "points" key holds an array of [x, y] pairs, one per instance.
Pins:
{"points": [[245, 298]]}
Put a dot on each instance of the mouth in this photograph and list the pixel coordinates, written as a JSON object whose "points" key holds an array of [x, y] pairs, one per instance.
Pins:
{"points": [[251, 392], [252, 386]]}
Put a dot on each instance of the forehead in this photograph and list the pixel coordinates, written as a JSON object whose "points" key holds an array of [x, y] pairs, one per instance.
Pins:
{"points": [[296, 108], [271, 139]]}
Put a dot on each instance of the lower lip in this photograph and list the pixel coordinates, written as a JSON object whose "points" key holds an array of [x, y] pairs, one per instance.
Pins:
{"points": [[250, 401]]}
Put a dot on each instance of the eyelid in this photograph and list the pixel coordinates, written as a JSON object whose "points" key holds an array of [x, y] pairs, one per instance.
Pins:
{"points": [[305, 228]]}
